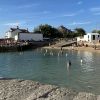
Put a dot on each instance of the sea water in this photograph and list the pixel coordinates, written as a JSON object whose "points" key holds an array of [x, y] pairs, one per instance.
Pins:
{"points": [[50, 67]]}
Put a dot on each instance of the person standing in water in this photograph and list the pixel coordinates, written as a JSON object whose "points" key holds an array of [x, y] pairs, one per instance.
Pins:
{"points": [[68, 64], [81, 60]]}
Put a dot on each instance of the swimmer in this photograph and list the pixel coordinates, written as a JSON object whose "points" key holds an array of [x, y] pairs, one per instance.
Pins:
{"points": [[81, 60]]}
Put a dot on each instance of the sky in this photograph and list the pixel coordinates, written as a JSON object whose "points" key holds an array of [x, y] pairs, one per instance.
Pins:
{"points": [[31, 13]]}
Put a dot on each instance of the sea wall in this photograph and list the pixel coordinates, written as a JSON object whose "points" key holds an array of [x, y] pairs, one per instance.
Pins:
{"points": [[13, 89], [22, 47]]}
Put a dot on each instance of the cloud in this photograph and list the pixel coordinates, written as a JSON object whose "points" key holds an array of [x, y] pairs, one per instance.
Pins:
{"points": [[97, 13], [28, 5], [79, 3], [14, 24], [69, 15], [63, 15], [95, 9], [81, 11], [41, 12], [45, 12], [31, 14], [79, 23]]}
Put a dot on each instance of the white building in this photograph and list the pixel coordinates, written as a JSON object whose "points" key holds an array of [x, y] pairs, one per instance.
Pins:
{"points": [[23, 34], [89, 37]]}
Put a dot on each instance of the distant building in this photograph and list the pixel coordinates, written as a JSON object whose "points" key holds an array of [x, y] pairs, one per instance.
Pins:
{"points": [[89, 37], [23, 34]]}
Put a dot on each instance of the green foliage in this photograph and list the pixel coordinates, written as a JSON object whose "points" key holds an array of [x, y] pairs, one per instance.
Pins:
{"points": [[48, 31], [61, 32], [80, 32], [96, 31]]}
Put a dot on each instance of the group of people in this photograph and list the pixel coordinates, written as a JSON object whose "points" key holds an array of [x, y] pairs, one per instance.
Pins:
{"points": [[69, 63]]}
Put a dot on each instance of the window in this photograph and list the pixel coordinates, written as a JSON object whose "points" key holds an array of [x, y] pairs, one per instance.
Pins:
{"points": [[93, 37]]}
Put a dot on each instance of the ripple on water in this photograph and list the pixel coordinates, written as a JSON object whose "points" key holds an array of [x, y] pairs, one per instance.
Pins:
{"points": [[53, 68]]}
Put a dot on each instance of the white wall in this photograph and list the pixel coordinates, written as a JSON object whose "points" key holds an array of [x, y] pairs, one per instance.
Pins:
{"points": [[30, 36], [89, 37], [38, 37], [10, 34], [16, 37], [80, 39], [24, 36]]}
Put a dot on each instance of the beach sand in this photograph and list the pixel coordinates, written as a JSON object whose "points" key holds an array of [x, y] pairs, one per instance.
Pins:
{"points": [[88, 49]]}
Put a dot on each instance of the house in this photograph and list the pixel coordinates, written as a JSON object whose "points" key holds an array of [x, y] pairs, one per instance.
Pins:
{"points": [[23, 34], [89, 37]]}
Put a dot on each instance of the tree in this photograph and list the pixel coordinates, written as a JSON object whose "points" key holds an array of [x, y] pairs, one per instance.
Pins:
{"points": [[79, 32], [96, 31], [47, 30], [66, 33]]}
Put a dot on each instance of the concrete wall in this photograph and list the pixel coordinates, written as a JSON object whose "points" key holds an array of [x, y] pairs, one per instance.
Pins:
{"points": [[30, 36]]}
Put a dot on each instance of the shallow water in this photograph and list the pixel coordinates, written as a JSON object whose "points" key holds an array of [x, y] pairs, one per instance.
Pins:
{"points": [[51, 68]]}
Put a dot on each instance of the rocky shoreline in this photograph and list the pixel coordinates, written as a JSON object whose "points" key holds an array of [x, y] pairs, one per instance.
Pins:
{"points": [[15, 89]]}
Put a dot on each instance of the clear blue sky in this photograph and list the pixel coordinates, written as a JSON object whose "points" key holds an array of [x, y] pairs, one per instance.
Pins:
{"points": [[31, 13]]}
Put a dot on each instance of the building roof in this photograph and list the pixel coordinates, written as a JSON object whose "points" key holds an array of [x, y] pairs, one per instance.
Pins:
{"points": [[22, 30], [93, 33]]}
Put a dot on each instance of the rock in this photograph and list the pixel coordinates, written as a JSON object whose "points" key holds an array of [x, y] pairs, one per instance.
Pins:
{"points": [[13, 89], [85, 96]]}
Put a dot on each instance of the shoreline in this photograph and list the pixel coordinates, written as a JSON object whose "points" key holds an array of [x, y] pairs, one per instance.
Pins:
{"points": [[88, 49], [16, 89]]}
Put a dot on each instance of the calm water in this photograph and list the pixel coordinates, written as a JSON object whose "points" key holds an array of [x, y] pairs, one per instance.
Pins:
{"points": [[52, 69]]}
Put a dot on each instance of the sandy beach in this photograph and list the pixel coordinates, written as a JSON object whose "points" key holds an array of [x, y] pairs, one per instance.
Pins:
{"points": [[15, 89], [88, 49]]}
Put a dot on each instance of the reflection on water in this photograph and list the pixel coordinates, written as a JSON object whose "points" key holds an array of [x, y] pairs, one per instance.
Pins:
{"points": [[52, 68], [88, 61]]}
